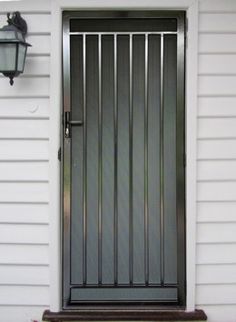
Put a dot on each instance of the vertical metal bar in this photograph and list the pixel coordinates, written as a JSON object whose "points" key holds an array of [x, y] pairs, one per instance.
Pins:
{"points": [[162, 164], [84, 166], [99, 159], [115, 166], [146, 219], [131, 159]]}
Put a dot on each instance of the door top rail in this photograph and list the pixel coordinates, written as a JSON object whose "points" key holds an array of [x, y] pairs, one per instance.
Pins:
{"points": [[74, 33]]}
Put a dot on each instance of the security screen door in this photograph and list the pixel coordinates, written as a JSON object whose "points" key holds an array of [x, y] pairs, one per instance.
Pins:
{"points": [[123, 158]]}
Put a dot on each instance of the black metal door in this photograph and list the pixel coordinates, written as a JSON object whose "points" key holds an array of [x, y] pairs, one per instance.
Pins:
{"points": [[123, 157]]}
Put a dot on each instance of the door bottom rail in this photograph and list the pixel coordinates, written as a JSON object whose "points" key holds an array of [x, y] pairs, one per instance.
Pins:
{"points": [[124, 314]]}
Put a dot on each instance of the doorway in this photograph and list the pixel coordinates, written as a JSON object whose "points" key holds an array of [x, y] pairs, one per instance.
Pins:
{"points": [[123, 158]]}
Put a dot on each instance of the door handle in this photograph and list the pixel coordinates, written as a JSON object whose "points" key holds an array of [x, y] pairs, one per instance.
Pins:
{"points": [[68, 123]]}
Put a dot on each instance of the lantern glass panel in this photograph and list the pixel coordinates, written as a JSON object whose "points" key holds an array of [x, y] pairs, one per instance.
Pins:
{"points": [[20, 36], [7, 35], [7, 57], [21, 57]]}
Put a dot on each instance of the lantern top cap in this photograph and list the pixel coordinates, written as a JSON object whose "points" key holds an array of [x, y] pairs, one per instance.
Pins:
{"points": [[15, 30]]}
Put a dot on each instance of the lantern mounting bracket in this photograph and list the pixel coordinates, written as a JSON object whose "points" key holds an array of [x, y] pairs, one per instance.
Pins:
{"points": [[16, 20]]}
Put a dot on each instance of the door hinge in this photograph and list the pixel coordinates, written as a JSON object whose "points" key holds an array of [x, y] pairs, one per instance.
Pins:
{"points": [[186, 33], [185, 160], [59, 154], [186, 25]]}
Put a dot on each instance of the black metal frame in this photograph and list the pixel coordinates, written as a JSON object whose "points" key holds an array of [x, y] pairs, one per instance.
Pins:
{"points": [[180, 153]]}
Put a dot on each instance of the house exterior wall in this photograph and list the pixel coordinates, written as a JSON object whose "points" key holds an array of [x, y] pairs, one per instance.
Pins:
{"points": [[24, 185], [24, 167], [216, 160]]}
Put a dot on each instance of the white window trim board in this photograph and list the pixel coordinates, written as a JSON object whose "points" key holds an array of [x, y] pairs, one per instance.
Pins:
{"points": [[55, 125]]}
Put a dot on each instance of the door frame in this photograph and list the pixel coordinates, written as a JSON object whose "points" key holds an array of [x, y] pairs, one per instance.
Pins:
{"points": [[55, 230], [180, 144]]}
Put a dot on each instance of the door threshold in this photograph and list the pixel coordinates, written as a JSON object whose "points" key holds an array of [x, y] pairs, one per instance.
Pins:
{"points": [[124, 315]]}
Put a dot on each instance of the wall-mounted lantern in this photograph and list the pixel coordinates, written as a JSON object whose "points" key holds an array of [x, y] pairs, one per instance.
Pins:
{"points": [[13, 47]]}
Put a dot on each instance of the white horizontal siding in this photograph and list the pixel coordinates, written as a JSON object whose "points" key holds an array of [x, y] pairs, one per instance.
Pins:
{"points": [[216, 207], [219, 233], [216, 254], [216, 149], [23, 313], [216, 23], [216, 294], [40, 45], [23, 234], [24, 186], [27, 7], [33, 22], [24, 295], [217, 128], [217, 43], [216, 170], [23, 192], [20, 108], [217, 64], [23, 255], [24, 129], [216, 191], [218, 274], [218, 312], [217, 6], [216, 106], [217, 85], [24, 171], [24, 275], [24, 213], [215, 212], [27, 150], [37, 66], [24, 87]]}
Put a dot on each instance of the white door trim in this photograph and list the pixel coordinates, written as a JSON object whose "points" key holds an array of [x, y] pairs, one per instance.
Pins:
{"points": [[55, 124]]}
